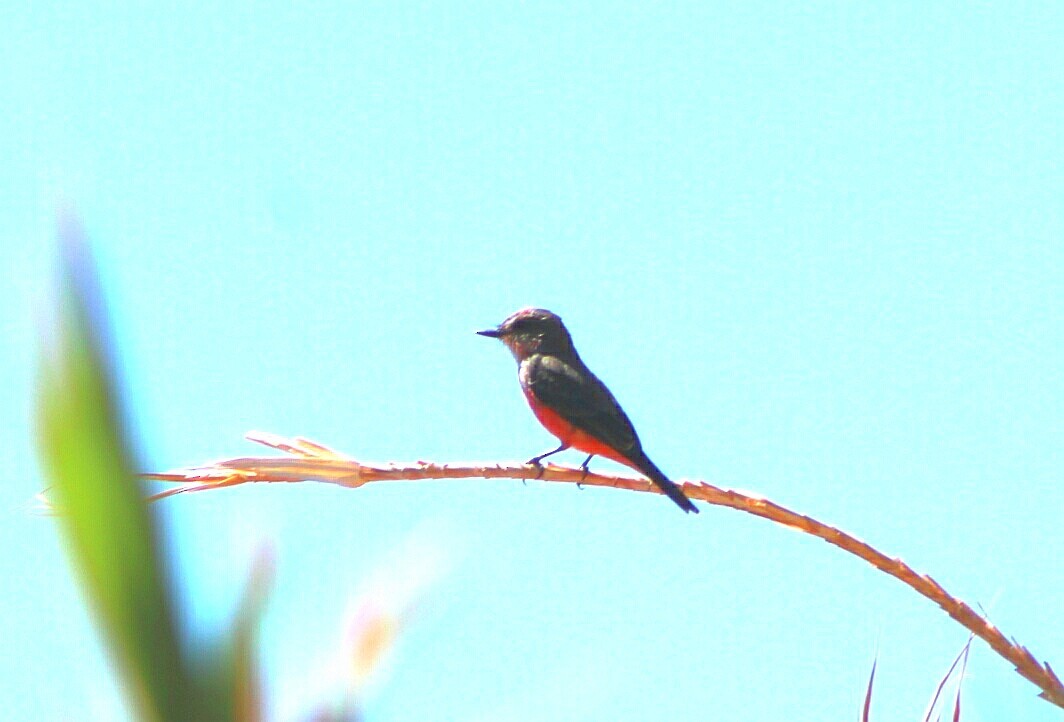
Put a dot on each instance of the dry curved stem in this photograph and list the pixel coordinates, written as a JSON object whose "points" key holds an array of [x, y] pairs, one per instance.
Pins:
{"points": [[313, 462]]}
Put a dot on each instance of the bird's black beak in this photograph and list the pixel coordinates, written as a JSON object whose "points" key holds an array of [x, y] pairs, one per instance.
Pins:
{"points": [[490, 333]]}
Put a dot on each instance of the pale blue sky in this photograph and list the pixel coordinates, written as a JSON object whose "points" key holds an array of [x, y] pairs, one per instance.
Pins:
{"points": [[816, 251]]}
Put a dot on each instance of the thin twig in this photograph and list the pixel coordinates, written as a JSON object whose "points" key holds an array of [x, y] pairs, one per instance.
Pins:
{"points": [[866, 710], [314, 462], [962, 655]]}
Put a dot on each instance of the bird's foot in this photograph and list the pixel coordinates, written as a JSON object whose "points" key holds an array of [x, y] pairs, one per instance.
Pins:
{"points": [[535, 461], [586, 470]]}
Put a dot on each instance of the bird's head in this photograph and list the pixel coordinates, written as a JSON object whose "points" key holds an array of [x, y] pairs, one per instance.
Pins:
{"points": [[532, 330]]}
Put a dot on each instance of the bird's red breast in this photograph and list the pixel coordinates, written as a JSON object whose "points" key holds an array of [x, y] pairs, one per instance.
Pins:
{"points": [[570, 434]]}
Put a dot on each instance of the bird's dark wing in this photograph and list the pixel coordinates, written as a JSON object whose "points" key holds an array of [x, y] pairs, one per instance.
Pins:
{"points": [[583, 400]]}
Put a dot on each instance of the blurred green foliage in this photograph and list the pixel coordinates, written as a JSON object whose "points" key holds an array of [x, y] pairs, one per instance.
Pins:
{"points": [[111, 532]]}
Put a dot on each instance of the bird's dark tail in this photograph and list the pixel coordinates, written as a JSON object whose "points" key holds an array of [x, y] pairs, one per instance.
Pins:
{"points": [[670, 489]]}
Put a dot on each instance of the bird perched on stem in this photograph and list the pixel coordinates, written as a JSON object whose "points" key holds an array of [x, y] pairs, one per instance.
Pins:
{"points": [[570, 401]]}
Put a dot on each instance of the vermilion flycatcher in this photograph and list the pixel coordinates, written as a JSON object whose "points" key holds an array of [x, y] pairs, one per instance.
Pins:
{"points": [[570, 401]]}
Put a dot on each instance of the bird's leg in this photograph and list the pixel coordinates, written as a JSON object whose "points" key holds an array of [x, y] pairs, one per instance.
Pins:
{"points": [[535, 460], [586, 470], [584, 466]]}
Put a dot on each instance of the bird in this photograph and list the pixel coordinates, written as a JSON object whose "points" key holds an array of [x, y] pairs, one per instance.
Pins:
{"points": [[570, 401]]}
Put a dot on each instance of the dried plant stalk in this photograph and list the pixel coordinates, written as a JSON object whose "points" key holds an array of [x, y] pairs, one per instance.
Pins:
{"points": [[313, 462]]}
